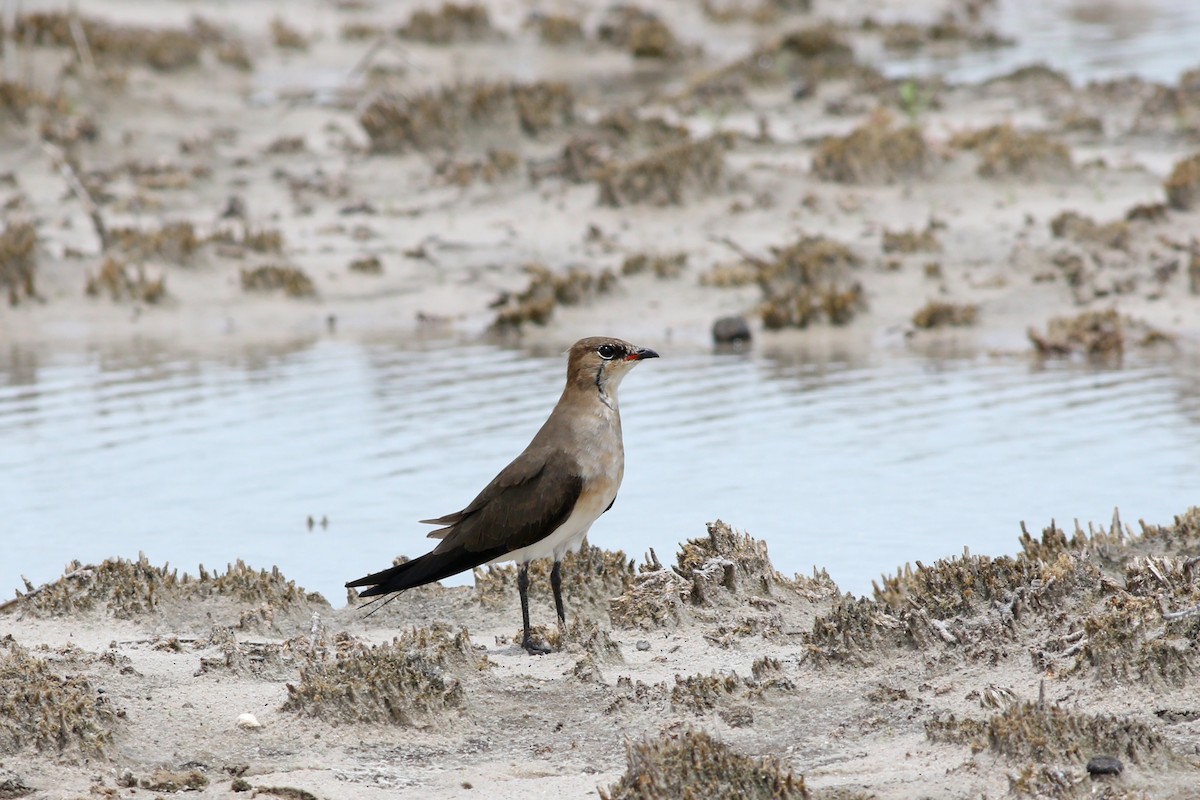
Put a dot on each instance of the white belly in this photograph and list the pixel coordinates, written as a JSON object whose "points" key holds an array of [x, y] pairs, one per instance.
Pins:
{"points": [[569, 536]]}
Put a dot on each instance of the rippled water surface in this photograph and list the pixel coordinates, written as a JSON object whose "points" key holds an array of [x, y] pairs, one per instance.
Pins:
{"points": [[1087, 39], [857, 467]]}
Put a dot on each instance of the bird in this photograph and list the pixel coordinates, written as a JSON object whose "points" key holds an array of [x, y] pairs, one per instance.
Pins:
{"points": [[545, 501]]}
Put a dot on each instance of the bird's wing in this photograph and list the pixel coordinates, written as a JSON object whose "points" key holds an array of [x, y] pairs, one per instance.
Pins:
{"points": [[525, 503]]}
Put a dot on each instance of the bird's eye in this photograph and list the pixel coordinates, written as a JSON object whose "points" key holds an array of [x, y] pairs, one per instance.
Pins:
{"points": [[607, 351]]}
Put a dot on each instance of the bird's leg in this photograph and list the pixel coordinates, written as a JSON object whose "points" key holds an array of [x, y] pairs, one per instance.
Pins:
{"points": [[556, 585], [523, 588]]}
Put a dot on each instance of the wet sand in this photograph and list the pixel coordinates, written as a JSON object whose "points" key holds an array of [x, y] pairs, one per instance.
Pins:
{"points": [[232, 185]]}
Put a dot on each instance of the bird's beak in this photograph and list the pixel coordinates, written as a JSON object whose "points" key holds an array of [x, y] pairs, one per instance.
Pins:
{"points": [[643, 352]]}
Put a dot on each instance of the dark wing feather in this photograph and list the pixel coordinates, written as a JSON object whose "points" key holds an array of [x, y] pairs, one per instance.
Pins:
{"points": [[525, 503]]}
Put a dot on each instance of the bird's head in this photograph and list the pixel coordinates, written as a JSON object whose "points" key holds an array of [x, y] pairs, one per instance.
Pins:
{"points": [[600, 362]]}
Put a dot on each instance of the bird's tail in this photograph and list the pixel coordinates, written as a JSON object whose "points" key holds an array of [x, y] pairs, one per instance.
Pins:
{"points": [[426, 569]]}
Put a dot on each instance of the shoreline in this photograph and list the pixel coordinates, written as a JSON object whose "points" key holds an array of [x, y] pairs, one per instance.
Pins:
{"points": [[972, 674]]}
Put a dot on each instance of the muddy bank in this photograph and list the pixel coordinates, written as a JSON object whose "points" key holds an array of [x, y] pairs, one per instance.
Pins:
{"points": [[207, 175], [1032, 675]]}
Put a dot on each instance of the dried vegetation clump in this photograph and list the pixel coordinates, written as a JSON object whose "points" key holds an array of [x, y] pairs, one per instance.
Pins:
{"points": [[663, 265], [726, 569], [1095, 334], [175, 242], [808, 55], [18, 261], [912, 241], [163, 49], [17, 99], [590, 577], [694, 764], [909, 36], [445, 118], [618, 135], [1183, 184], [547, 290], [1085, 230], [495, 165], [286, 37], [260, 659], [124, 283], [556, 29], [1057, 601], [453, 22], [270, 277], [247, 239], [666, 176], [1030, 731], [643, 34], [805, 282], [760, 12], [406, 682], [368, 265], [940, 314], [128, 589], [1005, 152], [876, 151], [973, 605], [39, 709]]}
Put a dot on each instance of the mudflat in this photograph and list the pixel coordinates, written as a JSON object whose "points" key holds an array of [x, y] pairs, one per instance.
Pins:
{"points": [[207, 175]]}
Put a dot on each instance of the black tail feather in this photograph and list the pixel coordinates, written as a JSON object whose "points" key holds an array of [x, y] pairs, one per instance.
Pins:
{"points": [[426, 569]]}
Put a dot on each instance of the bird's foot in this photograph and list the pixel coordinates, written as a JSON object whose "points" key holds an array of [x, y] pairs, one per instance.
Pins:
{"points": [[535, 648]]}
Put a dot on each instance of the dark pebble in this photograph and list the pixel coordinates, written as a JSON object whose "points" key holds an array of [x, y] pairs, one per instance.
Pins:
{"points": [[728, 330], [1104, 765]]}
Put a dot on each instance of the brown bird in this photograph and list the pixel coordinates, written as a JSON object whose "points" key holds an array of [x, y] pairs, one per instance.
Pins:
{"points": [[544, 502]]}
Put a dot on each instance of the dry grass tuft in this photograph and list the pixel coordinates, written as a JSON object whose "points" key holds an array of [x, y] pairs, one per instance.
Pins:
{"points": [[1095, 334], [547, 290], [270, 277], [174, 242], [18, 261], [1028, 731], [123, 283], [940, 314], [694, 764], [808, 281], [162, 49], [129, 589], [877, 151], [1083, 229], [1004, 152], [39, 709], [444, 118], [666, 176], [1183, 184], [404, 683], [452, 22], [556, 29]]}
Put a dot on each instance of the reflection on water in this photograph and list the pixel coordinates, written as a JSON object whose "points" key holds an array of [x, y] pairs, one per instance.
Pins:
{"points": [[857, 467], [1086, 39]]}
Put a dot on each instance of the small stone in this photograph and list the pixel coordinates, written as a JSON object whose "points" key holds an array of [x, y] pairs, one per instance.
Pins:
{"points": [[643, 645], [248, 722], [731, 330], [1104, 765]]}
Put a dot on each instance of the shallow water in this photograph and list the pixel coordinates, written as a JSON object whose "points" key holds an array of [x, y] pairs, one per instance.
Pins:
{"points": [[857, 466], [1086, 39]]}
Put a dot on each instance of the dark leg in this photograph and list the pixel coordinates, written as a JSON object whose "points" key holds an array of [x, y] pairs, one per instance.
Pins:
{"points": [[523, 588], [556, 585]]}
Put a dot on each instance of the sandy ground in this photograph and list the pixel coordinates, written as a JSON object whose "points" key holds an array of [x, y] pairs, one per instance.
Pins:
{"points": [[264, 157]]}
